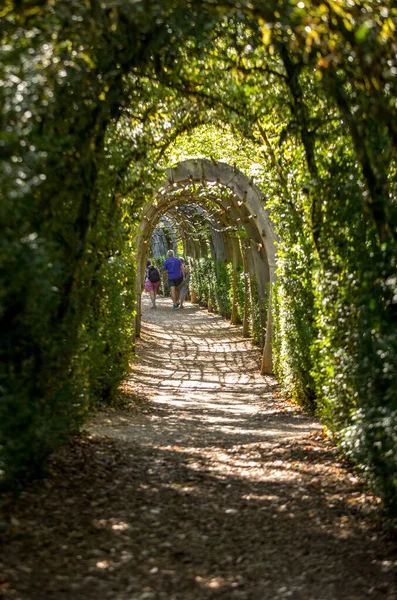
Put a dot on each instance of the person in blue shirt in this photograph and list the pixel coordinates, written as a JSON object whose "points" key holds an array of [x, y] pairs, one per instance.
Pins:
{"points": [[174, 268]]}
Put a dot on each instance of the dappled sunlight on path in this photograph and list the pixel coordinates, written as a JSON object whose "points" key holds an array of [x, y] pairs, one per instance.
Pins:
{"points": [[204, 385], [207, 486]]}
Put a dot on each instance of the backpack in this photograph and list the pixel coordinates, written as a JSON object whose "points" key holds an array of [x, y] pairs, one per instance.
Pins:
{"points": [[153, 274]]}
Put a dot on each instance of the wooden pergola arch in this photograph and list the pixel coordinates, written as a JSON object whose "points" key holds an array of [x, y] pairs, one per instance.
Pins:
{"points": [[247, 208]]}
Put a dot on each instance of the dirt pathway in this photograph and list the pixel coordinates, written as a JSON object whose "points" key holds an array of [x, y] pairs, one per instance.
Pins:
{"points": [[208, 486]]}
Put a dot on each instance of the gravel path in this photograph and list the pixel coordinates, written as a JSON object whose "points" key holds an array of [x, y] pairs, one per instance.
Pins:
{"points": [[207, 485]]}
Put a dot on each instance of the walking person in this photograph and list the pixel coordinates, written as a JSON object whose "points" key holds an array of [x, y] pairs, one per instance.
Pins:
{"points": [[174, 268], [184, 287], [152, 282]]}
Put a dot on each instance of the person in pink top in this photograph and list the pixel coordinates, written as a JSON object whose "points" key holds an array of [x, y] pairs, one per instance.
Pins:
{"points": [[152, 282]]}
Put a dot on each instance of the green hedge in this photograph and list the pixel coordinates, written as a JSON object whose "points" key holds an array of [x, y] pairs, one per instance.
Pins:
{"points": [[223, 296], [355, 352], [213, 281], [258, 330], [335, 317], [61, 354], [202, 273]]}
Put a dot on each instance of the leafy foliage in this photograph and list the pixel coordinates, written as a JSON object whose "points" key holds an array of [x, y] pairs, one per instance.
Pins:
{"points": [[98, 98], [224, 288], [259, 308], [202, 273]]}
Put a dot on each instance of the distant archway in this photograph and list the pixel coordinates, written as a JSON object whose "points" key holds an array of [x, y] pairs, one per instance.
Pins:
{"points": [[249, 208]]}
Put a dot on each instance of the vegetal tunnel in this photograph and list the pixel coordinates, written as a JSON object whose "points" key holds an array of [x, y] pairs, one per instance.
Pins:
{"points": [[212, 207]]}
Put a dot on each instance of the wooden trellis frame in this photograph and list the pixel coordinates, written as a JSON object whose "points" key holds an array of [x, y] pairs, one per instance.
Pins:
{"points": [[246, 208]]}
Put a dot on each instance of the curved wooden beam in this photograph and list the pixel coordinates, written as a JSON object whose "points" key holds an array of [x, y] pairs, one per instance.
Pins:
{"points": [[250, 210]]}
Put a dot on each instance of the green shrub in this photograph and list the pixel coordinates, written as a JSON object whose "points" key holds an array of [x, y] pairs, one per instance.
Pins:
{"points": [[223, 300], [201, 277], [258, 309]]}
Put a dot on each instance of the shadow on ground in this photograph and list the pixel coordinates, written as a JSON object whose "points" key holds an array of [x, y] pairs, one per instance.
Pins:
{"points": [[208, 486]]}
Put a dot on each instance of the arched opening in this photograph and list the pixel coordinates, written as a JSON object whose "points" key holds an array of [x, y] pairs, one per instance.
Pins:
{"points": [[247, 208]]}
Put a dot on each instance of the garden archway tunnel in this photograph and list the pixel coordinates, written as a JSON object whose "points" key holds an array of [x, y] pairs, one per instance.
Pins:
{"points": [[99, 97], [245, 208]]}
